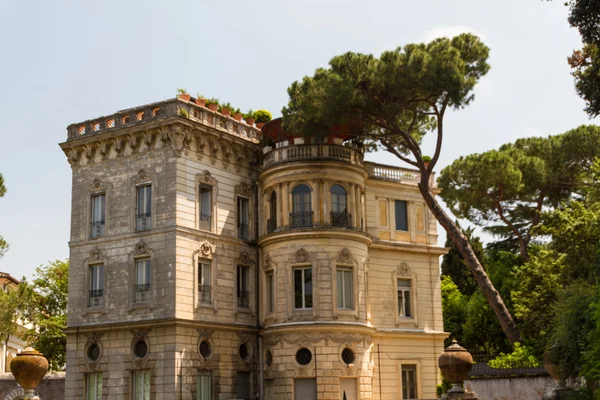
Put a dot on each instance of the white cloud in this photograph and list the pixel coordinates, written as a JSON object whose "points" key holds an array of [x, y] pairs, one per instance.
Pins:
{"points": [[449, 31], [34, 225]]}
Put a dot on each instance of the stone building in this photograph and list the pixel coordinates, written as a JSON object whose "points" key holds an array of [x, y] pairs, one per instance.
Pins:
{"points": [[210, 260], [13, 344]]}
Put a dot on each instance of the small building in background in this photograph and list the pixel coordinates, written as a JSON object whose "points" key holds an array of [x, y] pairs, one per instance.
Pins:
{"points": [[213, 260], [13, 345]]}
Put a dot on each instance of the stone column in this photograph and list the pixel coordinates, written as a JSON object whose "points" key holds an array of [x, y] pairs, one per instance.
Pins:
{"points": [[358, 206], [279, 217], [352, 204], [326, 202], [285, 200]]}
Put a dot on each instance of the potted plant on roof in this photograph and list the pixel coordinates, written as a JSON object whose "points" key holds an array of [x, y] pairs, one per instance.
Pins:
{"points": [[200, 100], [249, 117], [237, 114], [212, 104], [262, 117], [225, 109], [183, 94]]}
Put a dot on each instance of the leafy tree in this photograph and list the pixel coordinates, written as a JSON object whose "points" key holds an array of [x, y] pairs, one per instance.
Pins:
{"points": [[454, 311], [9, 302], [393, 101], [43, 304], [506, 190], [453, 263], [521, 357], [3, 244]]}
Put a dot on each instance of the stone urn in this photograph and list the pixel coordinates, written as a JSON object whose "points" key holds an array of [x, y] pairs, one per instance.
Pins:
{"points": [[455, 363], [28, 368]]}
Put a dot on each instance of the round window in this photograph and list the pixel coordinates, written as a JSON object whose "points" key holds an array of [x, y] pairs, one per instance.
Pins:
{"points": [[269, 358], [93, 352], [348, 356], [140, 348], [205, 350], [303, 356], [243, 351]]}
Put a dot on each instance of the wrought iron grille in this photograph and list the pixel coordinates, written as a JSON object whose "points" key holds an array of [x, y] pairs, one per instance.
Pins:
{"points": [[341, 219], [303, 356], [142, 292], [96, 297], [271, 225], [204, 291], [143, 221], [242, 300], [243, 231], [301, 219], [348, 356]]}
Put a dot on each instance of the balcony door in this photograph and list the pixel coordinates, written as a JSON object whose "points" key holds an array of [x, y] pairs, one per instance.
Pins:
{"points": [[302, 215]]}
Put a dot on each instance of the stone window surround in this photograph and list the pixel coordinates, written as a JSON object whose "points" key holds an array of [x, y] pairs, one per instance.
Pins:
{"points": [[353, 266], [206, 178], [246, 191], [404, 272], [269, 267], [411, 210], [412, 362], [143, 178], [132, 380], [97, 187], [207, 253], [292, 310], [244, 260], [86, 381], [141, 252], [354, 348], [96, 257]]}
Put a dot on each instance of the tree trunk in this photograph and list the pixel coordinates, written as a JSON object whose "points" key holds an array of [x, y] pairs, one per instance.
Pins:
{"points": [[462, 244]]}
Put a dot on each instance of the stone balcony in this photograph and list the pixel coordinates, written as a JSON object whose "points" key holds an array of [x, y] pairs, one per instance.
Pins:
{"points": [[159, 111], [395, 174], [312, 152]]}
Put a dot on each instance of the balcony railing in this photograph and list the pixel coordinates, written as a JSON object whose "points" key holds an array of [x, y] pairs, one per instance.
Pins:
{"points": [[142, 292], [97, 229], [96, 297], [242, 300], [301, 219], [341, 219], [271, 225], [143, 221], [204, 293], [302, 152], [156, 112], [395, 174], [243, 231]]}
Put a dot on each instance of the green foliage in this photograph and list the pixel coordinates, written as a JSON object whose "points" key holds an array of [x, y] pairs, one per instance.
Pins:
{"points": [[226, 105], [212, 100], [183, 113], [199, 96], [182, 91], [426, 159], [44, 305], [454, 310], [481, 329], [2, 187], [443, 387], [9, 305], [236, 111], [454, 266], [249, 114], [3, 245], [522, 356], [262, 116]]}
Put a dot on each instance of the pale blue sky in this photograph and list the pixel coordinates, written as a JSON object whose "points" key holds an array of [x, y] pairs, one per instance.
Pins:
{"points": [[68, 61]]}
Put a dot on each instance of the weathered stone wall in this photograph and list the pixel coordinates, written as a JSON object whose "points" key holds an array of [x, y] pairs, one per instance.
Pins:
{"points": [[524, 388], [52, 386]]}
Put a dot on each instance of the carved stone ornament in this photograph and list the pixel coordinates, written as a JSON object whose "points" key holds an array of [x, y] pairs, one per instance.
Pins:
{"points": [[205, 334], [94, 337], [206, 250], [141, 333], [301, 255], [206, 177], [404, 269], [245, 189], [269, 263], [97, 185], [95, 254], [244, 258], [345, 256], [141, 176], [316, 337], [178, 137], [141, 248]]}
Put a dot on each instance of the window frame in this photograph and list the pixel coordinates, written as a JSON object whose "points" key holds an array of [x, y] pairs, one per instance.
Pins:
{"points": [[413, 320], [407, 219], [294, 206], [133, 383], [345, 270], [202, 262], [199, 374], [92, 214], [211, 216], [134, 256], [404, 289], [269, 292], [150, 203], [97, 396], [238, 290], [147, 275], [208, 257], [102, 285], [412, 364], [293, 291], [238, 217]]}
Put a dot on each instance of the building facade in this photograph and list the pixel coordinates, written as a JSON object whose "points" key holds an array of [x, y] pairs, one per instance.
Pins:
{"points": [[13, 344], [208, 262]]}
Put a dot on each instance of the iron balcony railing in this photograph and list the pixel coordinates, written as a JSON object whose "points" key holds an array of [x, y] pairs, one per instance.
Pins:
{"points": [[97, 228], [142, 292], [271, 225], [96, 297], [204, 292], [243, 231], [341, 219], [242, 300], [143, 221], [301, 219]]}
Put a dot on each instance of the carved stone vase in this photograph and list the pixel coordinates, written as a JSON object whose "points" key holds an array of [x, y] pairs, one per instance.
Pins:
{"points": [[455, 363], [28, 368]]}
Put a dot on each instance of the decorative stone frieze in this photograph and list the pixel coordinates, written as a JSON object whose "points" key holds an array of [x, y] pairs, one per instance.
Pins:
{"points": [[301, 255], [327, 337], [404, 269]]}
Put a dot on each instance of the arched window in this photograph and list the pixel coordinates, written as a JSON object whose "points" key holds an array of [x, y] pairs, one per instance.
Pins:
{"points": [[272, 221], [301, 215], [339, 207]]}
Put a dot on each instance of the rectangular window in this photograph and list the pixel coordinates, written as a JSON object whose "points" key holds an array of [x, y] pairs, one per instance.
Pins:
{"points": [[205, 207], [243, 218], [409, 382], [242, 287], [204, 385], [303, 297], [345, 290], [270, 293], [96, 285], [98, 214], [141, 385], [142, 280], [143, 217], [404, 309], [401, 216], [94, 386], [204, 282]]}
